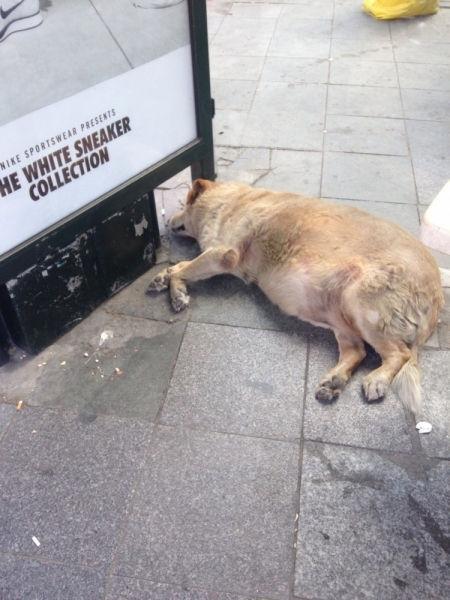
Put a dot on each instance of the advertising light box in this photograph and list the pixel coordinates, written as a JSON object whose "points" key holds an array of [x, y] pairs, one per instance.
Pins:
{"points": [[93, 93]]}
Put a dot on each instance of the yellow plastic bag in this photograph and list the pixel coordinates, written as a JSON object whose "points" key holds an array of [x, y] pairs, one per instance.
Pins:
{"points": [[399, 9]]}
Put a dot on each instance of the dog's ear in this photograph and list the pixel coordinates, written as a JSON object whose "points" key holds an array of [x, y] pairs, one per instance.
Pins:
{"points": [[198, 187]]}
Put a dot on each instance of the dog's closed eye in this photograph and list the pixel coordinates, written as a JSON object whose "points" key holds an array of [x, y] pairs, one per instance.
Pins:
{"points": [[180, 228]]}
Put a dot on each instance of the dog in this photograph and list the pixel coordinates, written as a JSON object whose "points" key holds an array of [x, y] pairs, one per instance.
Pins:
{"points": [[332, 265]]}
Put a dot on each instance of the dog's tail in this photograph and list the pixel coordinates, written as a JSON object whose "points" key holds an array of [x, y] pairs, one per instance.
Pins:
{"points": [[407, 383]]}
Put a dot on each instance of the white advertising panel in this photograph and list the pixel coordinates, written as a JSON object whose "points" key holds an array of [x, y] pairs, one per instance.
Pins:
{"points": [[91, 132]]}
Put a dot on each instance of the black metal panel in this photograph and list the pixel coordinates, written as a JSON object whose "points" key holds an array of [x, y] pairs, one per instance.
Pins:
{"points": [[126, 245], [5, 342], [50, 298], [91, 268]]}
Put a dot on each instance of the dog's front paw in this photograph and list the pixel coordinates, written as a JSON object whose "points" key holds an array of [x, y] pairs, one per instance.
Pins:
{"points": [[160, 282], [328, 391], [180, 300], [375, 388]]}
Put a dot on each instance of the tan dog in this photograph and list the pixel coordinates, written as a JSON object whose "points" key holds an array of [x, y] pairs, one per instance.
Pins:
{"points": [[332, 265]]}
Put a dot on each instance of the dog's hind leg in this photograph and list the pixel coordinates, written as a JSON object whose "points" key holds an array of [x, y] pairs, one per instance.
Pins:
{"points": [[214, 261], [351, 353], [394, 355]]}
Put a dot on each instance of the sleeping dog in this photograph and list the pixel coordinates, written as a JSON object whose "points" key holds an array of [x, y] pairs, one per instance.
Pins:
{"points": [[332, 265]]}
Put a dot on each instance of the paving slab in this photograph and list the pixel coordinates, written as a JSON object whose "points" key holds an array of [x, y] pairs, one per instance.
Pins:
{"points": [[368, 49], [298, 125], [233, 93], [122, 588], [355, 71], [295, 70], [61, 486], [426, 105], [293, 171], [372, 525], [7, 413], [307, 38], [366, 135], [144, 354], [247, 159], [345, 175], [418, 76], [446, 15], [240, 36], [19, 377], [364, 101], [298, 45], [214, 23], [25, 578], [316, 9], [219, 8], [258, 11], [226, 155], [443, 260], [444, 325], [431, 174], [143, 351], [430, 149], [351, 420], [214, 511], [429, 139], [410, 52], [433, 341], [250, 177], [445, 278], [351, 23], [236, 67], [228, 126], [174, 200], [420, 30], [435, 407], [318, 28], [264, 396]]}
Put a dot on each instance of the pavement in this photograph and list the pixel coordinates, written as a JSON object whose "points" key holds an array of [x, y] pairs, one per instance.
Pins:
{"points": [[184, 456]]}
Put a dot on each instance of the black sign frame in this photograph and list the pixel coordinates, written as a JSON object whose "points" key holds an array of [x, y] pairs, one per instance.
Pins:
{"points": [[198, 155]]}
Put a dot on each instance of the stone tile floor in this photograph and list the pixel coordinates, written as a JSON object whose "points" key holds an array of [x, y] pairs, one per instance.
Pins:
{"points": [[186, 457]]}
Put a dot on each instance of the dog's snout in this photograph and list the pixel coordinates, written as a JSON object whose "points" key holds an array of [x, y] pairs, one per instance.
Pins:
{"points": [[172, 224], [176, 224]]}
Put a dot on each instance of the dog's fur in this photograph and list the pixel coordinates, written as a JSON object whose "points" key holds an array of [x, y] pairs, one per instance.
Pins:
{"points": [[332, 265]]}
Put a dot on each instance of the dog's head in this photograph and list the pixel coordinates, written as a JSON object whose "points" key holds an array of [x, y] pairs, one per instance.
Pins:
{"points": [[186, 222]]}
